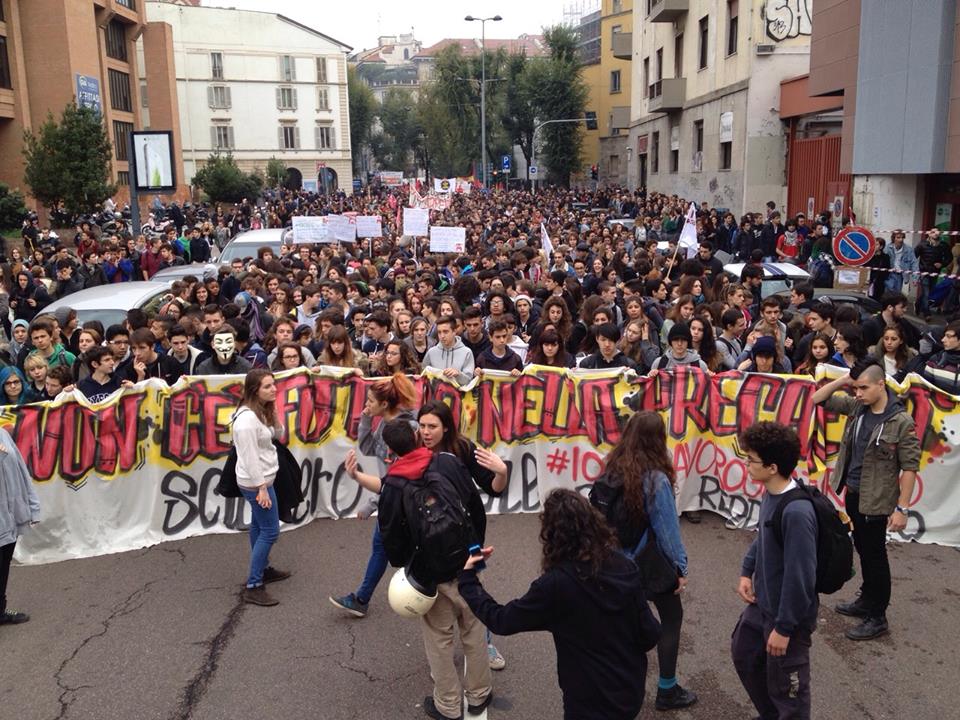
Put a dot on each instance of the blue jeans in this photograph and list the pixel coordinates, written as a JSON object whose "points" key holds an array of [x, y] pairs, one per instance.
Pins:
{"points": [[376, 566], [264, 531]]}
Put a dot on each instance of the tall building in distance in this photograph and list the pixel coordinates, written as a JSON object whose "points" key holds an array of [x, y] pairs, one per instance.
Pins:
{"points": [[705, 119], [258, 85], [54, 52], [389, 64]]}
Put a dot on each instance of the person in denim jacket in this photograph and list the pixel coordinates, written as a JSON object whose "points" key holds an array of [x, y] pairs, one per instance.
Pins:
{"points": [[636, 493]]}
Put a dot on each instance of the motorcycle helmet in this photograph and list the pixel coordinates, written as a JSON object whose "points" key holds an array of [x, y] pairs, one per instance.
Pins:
{"points": [[409, 598]]}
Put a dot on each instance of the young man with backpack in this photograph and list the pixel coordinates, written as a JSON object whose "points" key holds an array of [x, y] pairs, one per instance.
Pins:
{"points": [[877, 465], [778, 578], [430, 514]]}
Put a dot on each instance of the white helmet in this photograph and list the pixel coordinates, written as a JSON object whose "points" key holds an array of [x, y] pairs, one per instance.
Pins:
{"points": [[407, 597]]}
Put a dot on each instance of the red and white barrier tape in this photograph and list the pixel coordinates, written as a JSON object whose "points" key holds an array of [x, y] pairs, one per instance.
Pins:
{"points": [[912, 232], [918, 273]]}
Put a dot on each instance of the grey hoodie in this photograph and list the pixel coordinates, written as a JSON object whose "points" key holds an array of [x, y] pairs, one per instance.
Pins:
{"points": [[668, 361], [459, 357], [19, 505]]}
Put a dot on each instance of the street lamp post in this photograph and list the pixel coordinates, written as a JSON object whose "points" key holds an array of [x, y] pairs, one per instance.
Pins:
{"points": [[483, 88]]}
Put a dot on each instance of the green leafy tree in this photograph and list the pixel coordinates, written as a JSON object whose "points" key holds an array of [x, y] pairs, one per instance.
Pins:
{"points": [[68, 162], [363, 113], [561, 94], [276, 172], [12, 209], [223, 181], [519, 115], [399, 138]]}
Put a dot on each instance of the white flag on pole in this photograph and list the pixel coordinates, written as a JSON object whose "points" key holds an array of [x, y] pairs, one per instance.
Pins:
{"points": [[545, 240], [688, 235]]}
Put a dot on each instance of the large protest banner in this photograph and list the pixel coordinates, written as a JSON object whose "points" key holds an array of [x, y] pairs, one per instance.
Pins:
{"points": [[141, 468]]}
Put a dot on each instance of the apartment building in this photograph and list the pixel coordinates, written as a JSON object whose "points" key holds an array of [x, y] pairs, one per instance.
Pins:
{"points": [[705, 119], [53, 52], [259, 85]]}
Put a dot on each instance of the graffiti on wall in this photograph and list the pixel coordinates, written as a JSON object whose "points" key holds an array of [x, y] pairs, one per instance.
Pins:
{"points": [[784, 19]]}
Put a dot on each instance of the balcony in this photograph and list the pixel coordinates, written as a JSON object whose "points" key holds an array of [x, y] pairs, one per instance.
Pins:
{"points": [[623, 45], [668, 10], [620, 118], [666, 95]]}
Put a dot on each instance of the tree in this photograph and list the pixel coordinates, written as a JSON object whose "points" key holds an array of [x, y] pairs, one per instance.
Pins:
{"points": [[399, 137], [363, 112], [69, 162], [276, 172], [561, 94], [223, 181], [12, 209], [519, 117]]}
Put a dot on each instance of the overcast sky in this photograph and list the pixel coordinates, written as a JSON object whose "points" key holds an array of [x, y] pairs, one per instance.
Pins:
{"points": [[358, 23]]}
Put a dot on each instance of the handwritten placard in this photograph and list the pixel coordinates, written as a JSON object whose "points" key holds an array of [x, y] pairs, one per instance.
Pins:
{"points": [[448, 239], [415, 221], [369, 226], [309, 229]]}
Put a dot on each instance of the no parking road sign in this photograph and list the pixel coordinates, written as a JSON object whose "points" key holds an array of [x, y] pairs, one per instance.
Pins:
{"points": [[854, 246]]}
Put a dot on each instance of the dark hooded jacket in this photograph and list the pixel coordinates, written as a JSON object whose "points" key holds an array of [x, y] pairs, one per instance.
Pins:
{"points": [[601, 627], [22, 310]]}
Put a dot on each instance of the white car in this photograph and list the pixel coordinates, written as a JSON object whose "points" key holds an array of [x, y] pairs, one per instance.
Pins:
{"points": [[247, 244], [777, 277], [109, 303]]}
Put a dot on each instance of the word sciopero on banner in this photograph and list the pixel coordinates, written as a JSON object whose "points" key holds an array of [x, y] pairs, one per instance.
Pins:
{"points": [[141, 468]]}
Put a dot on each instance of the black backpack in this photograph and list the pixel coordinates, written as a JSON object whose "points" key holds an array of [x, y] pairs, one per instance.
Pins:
{"points": [[834, 546], [440, 527]]}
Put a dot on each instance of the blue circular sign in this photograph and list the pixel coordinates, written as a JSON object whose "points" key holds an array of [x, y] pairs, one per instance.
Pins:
{"points": [[854, 246]]}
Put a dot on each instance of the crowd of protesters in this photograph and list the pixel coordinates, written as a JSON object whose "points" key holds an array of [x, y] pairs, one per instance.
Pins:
{"points": [[592, 293]]}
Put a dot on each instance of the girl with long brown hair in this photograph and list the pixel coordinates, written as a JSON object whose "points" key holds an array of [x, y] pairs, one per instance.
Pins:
{"points": [[636, 495], [590, 598], [254, 428]]}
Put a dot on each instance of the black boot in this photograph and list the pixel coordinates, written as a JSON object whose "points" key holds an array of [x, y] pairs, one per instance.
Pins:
{"points": [[675, 698], [856, 608], [870, 628]]}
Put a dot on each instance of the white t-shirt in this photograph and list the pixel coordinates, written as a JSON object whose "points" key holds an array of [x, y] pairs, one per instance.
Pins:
{"points": [[257, 462]]}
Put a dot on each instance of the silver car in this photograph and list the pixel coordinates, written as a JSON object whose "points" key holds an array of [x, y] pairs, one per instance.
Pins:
{"points": [[245, 245], [109, 303]]}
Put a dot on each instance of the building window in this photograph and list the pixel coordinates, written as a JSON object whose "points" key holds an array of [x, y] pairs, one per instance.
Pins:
{"points": [[674, 161], [726, 155], [1, 11], [704, 30], [646, 77], [613, 33], [129, 4], [216, 66], [617, 6], [5, 80], [659, 64], [286, 98], [321, 70], [123, 177], [615, 81], [221, 137], [119, 91], [323, 99], [678, 56], [289, 137], [218, 97], [732, 26], [143, 96], [121, 139], [325, 137], [288, 68], [697, 165], [655, 154], [116, 34]]}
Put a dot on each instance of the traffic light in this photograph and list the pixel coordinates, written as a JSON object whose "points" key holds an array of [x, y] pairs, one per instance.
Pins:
{"points": [[591, 119], [594, 172]]}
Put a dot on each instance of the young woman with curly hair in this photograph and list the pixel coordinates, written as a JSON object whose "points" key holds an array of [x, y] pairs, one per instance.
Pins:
{"points": [[590, 598], [397, 357], [636, 496]]}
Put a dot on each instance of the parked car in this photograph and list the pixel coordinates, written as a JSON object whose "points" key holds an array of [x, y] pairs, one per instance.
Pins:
{"points": [[777, 277], [178, 272], [109, 303], [245, 245], [866, 306]]}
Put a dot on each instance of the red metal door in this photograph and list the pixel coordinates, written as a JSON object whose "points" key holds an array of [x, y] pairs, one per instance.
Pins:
{"points": [[814, 172]]}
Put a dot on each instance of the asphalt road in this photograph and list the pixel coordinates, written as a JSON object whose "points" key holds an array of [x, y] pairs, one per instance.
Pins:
{"points": [[159, 633]]}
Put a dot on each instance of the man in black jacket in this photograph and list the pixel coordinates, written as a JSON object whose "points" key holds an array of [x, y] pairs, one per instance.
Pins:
{"points": [[932, 257], [449, 612]]}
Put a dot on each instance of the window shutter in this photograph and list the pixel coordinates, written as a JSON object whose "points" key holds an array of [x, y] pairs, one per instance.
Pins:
{"points": [[296, 137], [280, 68], [333, 137], [210, 96], [293, 93], [293, 67], [228, 101], [213, 137], [279, 99], [316, 137], [230, 136], [280, 136]]}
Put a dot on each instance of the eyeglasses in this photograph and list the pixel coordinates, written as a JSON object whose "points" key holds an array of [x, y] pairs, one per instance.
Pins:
{"points": [[755, 461], [291, 357], [12, 382]]}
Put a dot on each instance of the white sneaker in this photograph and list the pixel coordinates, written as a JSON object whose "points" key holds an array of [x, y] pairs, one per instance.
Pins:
{"points": [[496, 659]]}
